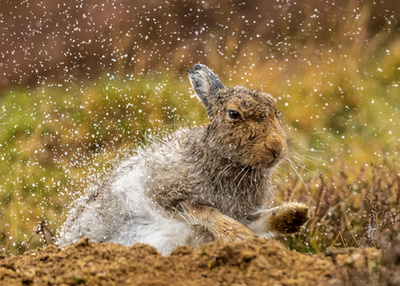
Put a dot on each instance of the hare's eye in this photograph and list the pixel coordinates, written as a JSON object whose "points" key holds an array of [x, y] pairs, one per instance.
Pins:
{"points": [[233, 114], [279, 113]]}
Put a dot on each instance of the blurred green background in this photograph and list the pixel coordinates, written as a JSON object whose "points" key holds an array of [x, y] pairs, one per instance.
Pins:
{"points": [[84, 82]]}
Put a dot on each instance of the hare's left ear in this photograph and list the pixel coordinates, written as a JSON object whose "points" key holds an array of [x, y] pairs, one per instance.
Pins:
{"points": [[205, 83]]}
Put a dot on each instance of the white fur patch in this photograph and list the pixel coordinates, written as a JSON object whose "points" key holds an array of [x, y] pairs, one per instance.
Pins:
{"points": [[127, 216]]}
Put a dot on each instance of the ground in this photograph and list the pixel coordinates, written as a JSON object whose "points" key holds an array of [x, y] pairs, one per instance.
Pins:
{"points": [[254, 262]]}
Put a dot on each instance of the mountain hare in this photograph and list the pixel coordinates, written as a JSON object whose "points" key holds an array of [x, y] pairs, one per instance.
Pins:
{"points": [[197, 184]]}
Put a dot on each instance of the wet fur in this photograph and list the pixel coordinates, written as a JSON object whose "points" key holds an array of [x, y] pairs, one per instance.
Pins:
{"points": [[197, 184]]}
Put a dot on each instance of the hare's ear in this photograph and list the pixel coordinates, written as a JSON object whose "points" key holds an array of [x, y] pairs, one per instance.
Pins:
{"points": [[205, 83]]}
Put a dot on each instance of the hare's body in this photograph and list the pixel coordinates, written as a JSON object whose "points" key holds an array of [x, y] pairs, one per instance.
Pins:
{"points": [[197, 184]]}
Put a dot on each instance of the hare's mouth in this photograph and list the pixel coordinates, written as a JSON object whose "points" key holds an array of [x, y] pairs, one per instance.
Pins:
{"points": [[272, 158], [270, 163], [274, 161]]}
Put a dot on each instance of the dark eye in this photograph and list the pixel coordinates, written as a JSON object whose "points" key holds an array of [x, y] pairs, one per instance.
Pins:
{"points": [[233, 114], [279, 113]]}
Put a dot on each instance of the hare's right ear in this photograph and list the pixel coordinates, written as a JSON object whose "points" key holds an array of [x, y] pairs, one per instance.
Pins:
{"points": [[205, 83]]}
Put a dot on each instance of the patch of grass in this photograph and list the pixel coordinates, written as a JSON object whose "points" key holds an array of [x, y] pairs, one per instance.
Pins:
{"points": [[350, 205]]}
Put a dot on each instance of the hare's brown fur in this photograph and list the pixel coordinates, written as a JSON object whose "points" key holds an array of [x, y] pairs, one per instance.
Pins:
{"points": [[227, 163]]}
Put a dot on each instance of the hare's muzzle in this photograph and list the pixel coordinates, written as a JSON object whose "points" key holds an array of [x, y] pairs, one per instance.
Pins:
{"points": [[276, 146]]}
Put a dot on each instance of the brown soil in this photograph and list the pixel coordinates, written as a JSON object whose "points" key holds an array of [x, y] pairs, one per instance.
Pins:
{"points": [[255, 262]]}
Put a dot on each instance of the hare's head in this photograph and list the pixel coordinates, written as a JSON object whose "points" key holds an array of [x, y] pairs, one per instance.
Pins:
{"points": [[244, 124]]}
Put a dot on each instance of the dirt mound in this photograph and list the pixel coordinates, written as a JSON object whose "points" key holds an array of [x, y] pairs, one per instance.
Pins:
{"points": [[255, 262]]}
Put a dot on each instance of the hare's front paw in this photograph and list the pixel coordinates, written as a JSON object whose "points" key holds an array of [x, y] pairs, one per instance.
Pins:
{"points": [[221, 227], [227, 229], [288, 218]]}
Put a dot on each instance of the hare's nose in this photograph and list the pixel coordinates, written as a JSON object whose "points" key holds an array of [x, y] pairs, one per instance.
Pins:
{"points": [[274, 144]]}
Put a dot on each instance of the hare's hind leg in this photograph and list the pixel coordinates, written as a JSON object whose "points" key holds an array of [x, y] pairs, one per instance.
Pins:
{"points": [[285, 219], [219, 225]]}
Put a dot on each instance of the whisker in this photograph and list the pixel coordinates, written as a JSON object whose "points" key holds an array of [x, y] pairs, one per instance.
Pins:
{"points": [[237, 176], [241, 179], [300, 161], [314, 150], [308, 157], [223, 170], [254, 180], [303, 166], [294, 169], [315, 158]]}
